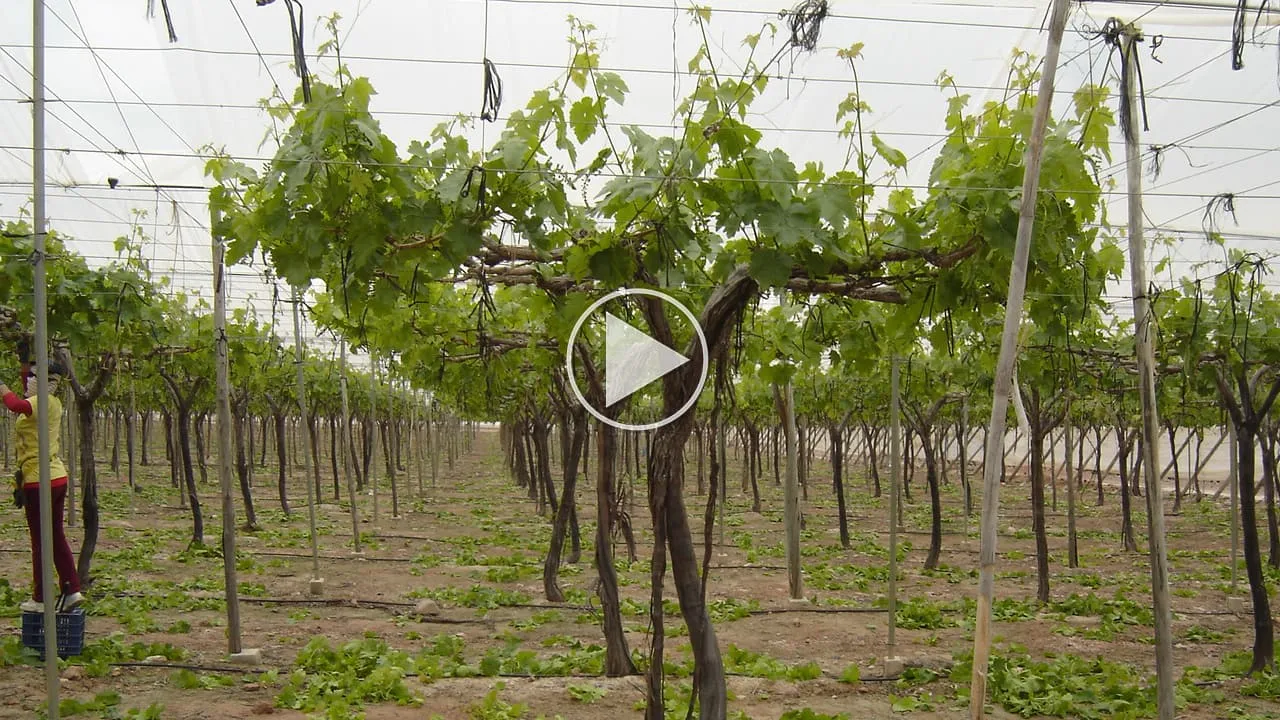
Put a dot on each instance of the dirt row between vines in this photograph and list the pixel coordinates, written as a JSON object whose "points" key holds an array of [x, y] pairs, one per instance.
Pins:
{"points": [[427, 549]]}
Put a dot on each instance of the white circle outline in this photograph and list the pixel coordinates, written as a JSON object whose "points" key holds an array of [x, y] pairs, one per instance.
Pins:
{"points": [[625, 292]]}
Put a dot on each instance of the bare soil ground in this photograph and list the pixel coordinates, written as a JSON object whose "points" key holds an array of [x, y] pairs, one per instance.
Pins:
{"points": [[475, 528]]}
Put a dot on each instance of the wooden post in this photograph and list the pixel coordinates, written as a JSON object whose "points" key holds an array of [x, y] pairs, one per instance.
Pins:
{"points": [[1147, 390], [722, 439], [415, 445], [1008, 355], [372, 479], [130, 437], [1053, 470], [784, 399], [1235, 508], [72, 451], [433, 426], [1073, 557], [221, 364], [388, 435], [317, 584], [895, 481], [343, 443]]}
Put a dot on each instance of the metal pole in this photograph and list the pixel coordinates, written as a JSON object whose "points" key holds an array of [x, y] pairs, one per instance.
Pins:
{"points": [[992, 466], [42, 360], [224, 442], [895, 479], [316, 583]]}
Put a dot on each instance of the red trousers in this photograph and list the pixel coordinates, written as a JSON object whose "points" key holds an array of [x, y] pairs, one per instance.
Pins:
{"points": [[63, 560]]}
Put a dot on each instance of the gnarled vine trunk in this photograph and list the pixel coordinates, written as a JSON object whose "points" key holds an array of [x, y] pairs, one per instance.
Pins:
{"points": [[667, 509]]}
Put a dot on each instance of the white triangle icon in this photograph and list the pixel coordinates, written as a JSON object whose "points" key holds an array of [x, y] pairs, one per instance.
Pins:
{"points": [[632, 359]]}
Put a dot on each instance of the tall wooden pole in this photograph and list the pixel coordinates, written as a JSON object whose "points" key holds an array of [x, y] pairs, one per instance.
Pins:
{"points": [[784, 399], [41, 302], [317, 584], [992, 466], [433, 426], [224, 442], [895, 481], [72, 449], [130, 437], [1235, 509], [1147, 390], [343, 443], [1073, 556], [372, 478]]}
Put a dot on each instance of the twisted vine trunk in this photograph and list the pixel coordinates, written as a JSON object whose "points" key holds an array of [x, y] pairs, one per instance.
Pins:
{"points": [[85, 400], [575, 430], [198, 422], [935, 500], [334, 455], [666, 504], [244, 460], [1097, 460], [277, 415], [1268, 436], [1124, 443], [836, 433], [182, 402], [871, 457], [617, 658], [1037, 510], [1264, 639]]}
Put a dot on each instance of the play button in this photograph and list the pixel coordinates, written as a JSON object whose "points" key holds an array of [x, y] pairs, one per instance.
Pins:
{"points": [[633, 359]]}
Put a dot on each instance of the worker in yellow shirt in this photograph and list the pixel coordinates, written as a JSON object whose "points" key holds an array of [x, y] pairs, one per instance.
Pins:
{"points": [[29, 413]]}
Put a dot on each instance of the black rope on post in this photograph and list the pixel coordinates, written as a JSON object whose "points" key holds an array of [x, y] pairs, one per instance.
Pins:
{"points": [[1237, 35], [492, 92], [168, 17], [476, 171], [297, 33], [805, 23], [1113, 33]]}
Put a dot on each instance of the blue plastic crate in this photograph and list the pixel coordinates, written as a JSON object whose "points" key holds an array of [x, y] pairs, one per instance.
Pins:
{"points": [[70, 632]]}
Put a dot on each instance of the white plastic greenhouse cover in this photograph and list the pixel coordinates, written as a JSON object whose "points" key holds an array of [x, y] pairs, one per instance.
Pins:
{"points": [[139, 108]]}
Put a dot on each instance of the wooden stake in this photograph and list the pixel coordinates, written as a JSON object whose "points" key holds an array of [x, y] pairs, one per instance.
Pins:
{"points": [[1008, 355], [895, 480], [1073, 557], [1147, 391], [306, 440], [1235, 508], [785, 402], [372, 479], [343, 443], [72, 452], [221, 365]]}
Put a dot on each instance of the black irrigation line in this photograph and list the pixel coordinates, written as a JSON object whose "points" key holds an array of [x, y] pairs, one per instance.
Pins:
{"points": [[307, 556], [196, 668], [512, 676], [330, 602]]}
